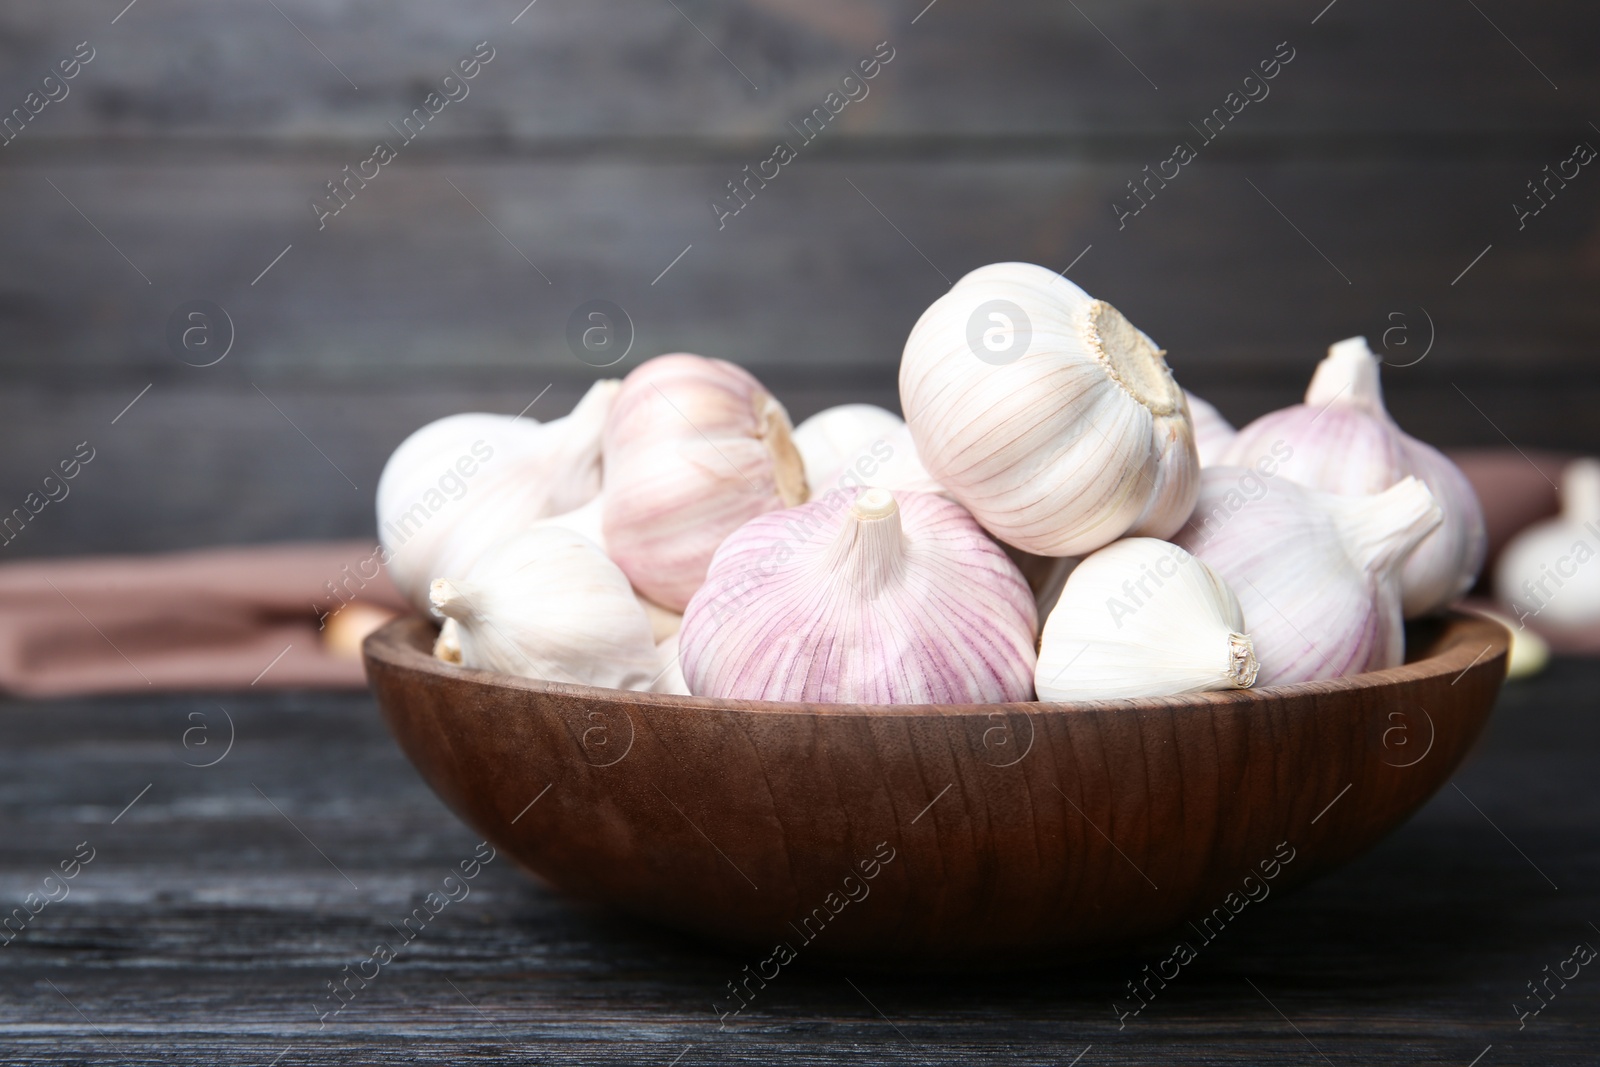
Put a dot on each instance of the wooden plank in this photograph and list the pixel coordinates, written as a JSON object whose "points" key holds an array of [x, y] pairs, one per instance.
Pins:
{"points": [[611, 68], [206, 926], [1247, 267]]}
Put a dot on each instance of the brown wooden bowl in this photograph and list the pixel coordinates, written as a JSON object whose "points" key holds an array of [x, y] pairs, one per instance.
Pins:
{"points": [[955, 834]]}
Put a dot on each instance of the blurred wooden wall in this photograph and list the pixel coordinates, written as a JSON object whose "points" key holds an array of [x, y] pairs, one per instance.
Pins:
{"points": [[183, 159]]}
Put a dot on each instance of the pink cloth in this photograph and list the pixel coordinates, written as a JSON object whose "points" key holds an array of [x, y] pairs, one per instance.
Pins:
{"points": [[226, 618]]}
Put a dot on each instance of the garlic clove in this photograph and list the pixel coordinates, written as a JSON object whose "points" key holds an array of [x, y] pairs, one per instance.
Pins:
{"points": [[694, 448], [1316, 573], [1547, 574], [1212, 433], [548, 604], [1342, 440], [447, 646], [346, 629], [460, 485], [1143, 618], [1528, 653], [587, 522], [862, 597], [1080, 439], [670, 678]]}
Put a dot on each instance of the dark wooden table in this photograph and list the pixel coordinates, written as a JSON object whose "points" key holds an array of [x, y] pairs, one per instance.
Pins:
{"points": [[222, 900]]}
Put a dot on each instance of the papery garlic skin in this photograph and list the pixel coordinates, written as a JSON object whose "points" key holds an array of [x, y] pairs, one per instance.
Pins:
{"points": [[461, 484], [548, 604], [870, 597], [1318, 574], [1213, 434], [1082, 438], [1344, 441], [694, 448], [830, 440], [887, 461], [1143, 618], [1547, 574], [585, 520]]}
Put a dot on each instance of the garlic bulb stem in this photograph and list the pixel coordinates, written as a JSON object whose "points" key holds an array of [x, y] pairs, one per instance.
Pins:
{"points": [[1580, 492], [869, 553], [1348, 375]]}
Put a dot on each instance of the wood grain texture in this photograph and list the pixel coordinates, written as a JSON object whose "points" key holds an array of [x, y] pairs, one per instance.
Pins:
{"points": [[614, 69], [1386, 159], [1066, 828], [205, 928]]}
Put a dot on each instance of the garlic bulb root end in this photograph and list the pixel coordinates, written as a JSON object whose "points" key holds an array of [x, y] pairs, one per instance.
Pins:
{"points": [[1242, 664], [1130, 358]]}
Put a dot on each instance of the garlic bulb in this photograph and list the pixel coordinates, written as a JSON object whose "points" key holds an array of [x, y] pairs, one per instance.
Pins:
{"points": [[866, 597], [586, 521], [548, 604], [856, 445], [1317, 574], [1342, 440], [1143, 618], [1212, 433], [460, 485], [1069, 435], [1545, 574], [694, 448], [447, 646], [830, 440]]}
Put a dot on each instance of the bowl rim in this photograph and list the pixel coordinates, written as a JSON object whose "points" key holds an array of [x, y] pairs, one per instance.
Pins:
{"points": [[398, 644]]}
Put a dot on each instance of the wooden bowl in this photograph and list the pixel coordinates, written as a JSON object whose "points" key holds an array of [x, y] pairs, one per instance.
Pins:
{"points": [[959, 834]]}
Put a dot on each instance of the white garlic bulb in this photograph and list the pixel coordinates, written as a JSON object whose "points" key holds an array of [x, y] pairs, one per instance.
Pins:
{"points": [[866, 597], [1143, 618], [460, 485], [694, 448], [548, 604], [1318, 574], [830, 440], [1047, 414], [856, 445], [1212, 433], [1546, 575], [1343, 440]]}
